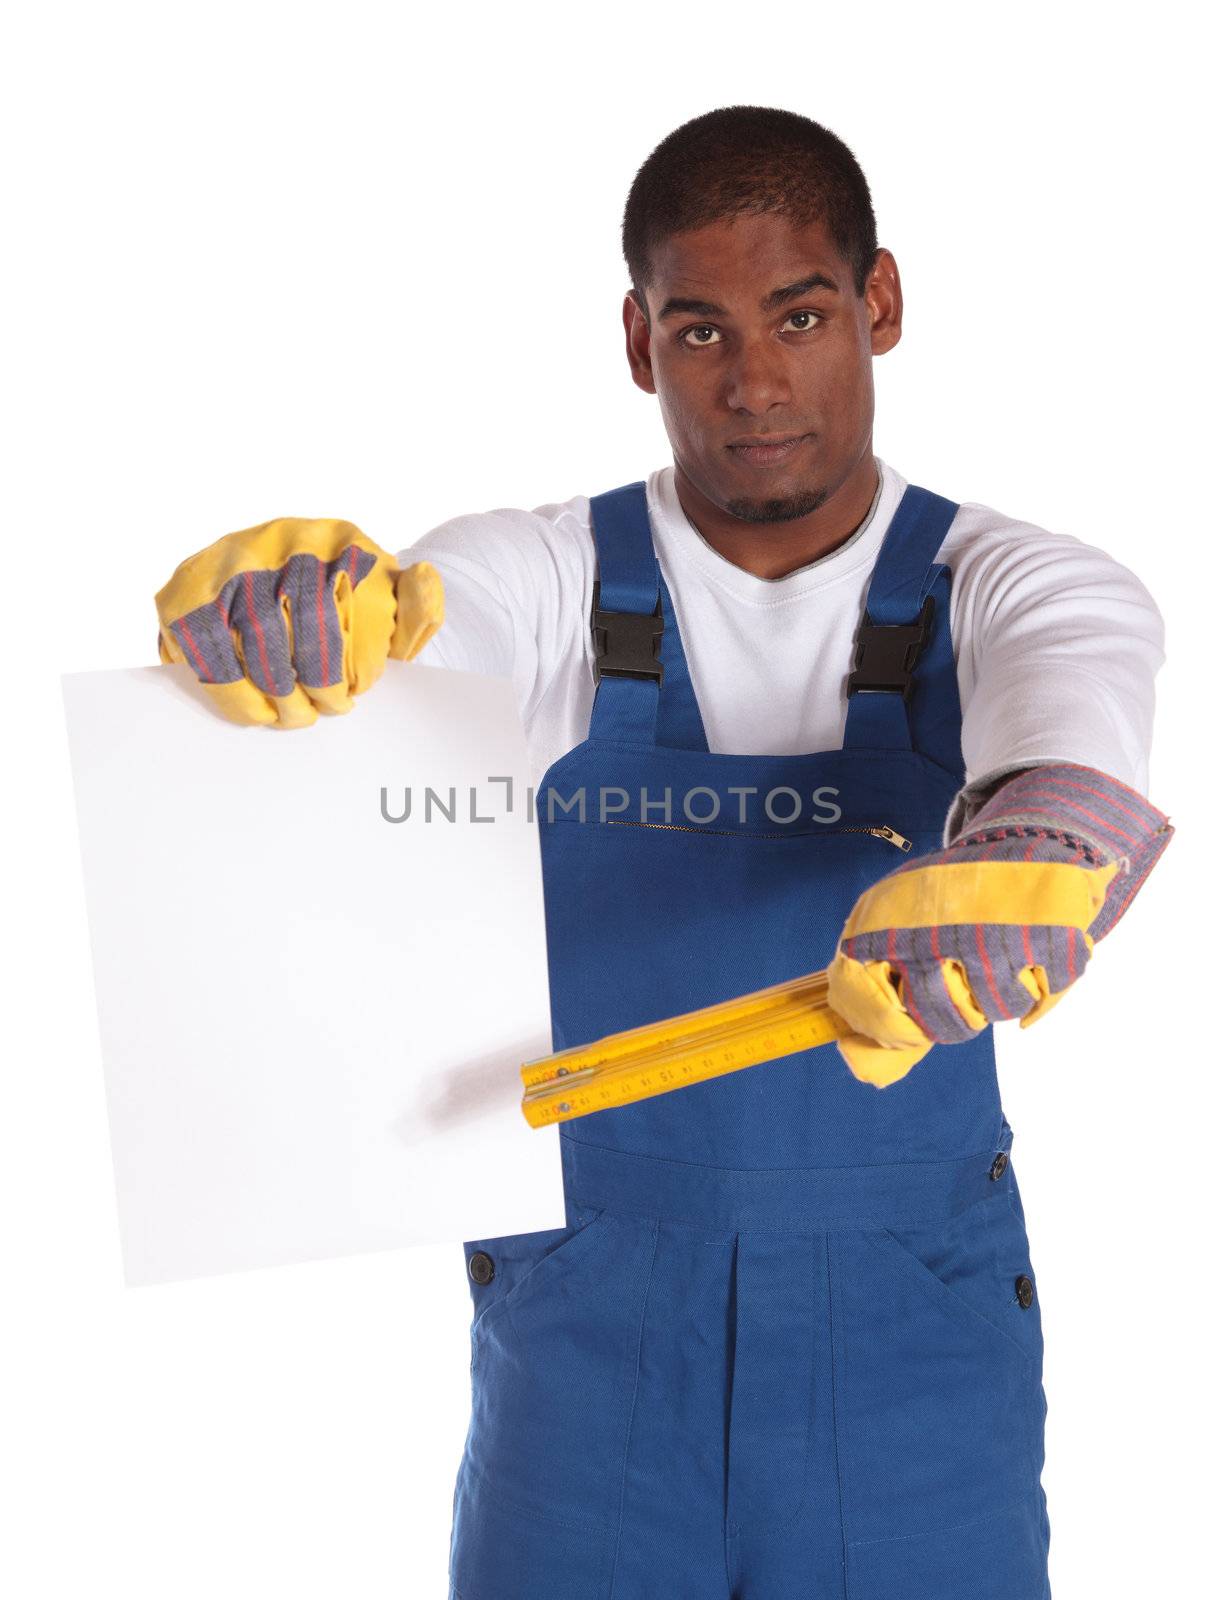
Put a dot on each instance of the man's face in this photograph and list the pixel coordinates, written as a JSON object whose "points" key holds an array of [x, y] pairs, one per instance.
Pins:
{"points": [[758, 332]]}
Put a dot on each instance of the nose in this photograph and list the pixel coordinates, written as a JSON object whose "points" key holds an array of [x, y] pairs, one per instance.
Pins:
{"points": [[758, 378]]}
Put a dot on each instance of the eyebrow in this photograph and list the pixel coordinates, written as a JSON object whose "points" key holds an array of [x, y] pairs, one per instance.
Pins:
{"points": [[776, 298]]}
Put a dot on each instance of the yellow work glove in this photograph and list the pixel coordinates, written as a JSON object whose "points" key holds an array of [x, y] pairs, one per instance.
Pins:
{"points": [[999, 924], [294, 617]]}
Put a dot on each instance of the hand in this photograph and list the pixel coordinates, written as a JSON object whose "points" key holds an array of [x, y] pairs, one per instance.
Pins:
{"points": [[999, 924], [294, 617]]}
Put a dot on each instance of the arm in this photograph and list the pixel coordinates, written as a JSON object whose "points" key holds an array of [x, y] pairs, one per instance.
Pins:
{"points": [[1057, 651], [516, 586], [1044, 851]]}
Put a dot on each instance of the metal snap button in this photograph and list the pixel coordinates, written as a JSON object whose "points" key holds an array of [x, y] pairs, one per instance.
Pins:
{"points": [[481, 1267], [1024, 1292], [1000, 1165]]}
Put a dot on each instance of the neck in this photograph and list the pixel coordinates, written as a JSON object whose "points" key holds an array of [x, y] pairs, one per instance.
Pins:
{"points": [[773, 549]]}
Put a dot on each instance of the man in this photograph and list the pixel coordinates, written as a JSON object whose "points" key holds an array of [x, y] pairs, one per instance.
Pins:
{"points": [[789, 711]]}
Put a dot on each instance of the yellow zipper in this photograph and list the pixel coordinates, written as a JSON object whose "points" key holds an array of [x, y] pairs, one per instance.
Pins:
{"points": [[883, 832]]}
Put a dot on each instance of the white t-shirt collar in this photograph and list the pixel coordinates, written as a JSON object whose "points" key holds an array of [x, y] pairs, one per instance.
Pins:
{"points": [[670, 522]]}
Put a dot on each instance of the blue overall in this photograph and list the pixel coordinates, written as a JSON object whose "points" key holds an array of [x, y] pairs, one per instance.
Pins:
{"points": [[787, 1346]]}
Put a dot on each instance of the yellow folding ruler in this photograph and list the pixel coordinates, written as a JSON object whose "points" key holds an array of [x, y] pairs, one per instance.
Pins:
{"points": [[681, 1050]]}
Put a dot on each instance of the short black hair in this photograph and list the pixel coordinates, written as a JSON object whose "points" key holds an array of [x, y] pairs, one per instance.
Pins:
{"points": [[746, 159]]}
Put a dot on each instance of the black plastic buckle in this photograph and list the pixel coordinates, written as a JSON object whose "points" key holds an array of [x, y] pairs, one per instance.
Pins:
{"points": [[626, 643], [887, 653]]}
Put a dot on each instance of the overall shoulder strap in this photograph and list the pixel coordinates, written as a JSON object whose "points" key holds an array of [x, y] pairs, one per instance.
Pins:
{"points": [[643, 688], [904, 680]]}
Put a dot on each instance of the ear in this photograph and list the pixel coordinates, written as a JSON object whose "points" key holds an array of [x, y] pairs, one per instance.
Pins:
{"points": [[883, 300], [638, 343]]}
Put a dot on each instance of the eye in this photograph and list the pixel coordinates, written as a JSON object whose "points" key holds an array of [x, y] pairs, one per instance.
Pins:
{"points": [[689, 336], [700, 327]]}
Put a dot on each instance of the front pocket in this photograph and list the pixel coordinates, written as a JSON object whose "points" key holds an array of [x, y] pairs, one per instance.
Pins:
{"points": [[521, 1261], [553, 1376], [972, 1264], [940, 1412]]}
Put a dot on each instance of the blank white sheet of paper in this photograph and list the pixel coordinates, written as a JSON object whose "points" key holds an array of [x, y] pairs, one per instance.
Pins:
{"points": [[312, 1018]]}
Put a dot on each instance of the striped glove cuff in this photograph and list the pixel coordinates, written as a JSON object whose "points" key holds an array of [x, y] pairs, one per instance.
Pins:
{"points": [[1076, 814]]}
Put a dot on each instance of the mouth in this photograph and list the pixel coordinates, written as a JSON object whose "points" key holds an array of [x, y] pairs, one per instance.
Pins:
{"points": [[761, 451]]}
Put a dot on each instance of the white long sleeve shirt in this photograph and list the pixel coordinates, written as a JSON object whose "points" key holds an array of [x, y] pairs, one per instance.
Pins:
{"points": [[1057, 645]]}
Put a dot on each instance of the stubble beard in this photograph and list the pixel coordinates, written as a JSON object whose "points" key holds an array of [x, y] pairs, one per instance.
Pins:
{"points": [[786, 508]]}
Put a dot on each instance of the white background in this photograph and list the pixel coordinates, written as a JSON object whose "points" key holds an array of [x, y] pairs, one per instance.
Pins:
{"points": [[336, 261]]}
